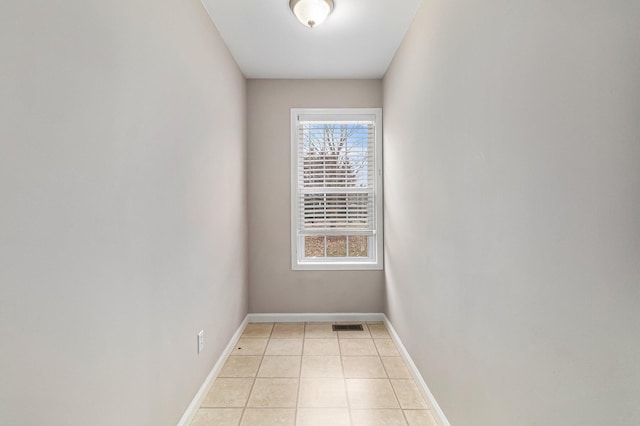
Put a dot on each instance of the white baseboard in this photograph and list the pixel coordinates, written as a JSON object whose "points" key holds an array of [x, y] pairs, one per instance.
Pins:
{"points": [[329, 317], [192, 409], [436, 411]]}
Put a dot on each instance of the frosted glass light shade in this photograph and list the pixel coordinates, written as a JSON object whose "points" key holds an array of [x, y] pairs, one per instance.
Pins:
{"points": [[311, 12]]}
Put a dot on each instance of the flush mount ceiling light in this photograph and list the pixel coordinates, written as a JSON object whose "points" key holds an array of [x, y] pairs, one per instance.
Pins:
{"points": [[311, 12]]}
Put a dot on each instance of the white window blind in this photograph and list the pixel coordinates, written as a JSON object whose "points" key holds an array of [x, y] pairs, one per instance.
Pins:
{"points": [[336, 178], [336, 175]]}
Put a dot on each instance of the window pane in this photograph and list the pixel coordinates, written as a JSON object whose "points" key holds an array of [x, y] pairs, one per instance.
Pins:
{"points": [[336, 246], [314, 246], [359, 246], [337, 178]]}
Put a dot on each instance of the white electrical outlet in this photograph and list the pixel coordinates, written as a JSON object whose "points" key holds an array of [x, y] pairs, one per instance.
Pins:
{"points": [[200, 341]]}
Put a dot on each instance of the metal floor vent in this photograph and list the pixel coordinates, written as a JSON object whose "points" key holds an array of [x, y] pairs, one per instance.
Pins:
{"points": [[347, 327]]}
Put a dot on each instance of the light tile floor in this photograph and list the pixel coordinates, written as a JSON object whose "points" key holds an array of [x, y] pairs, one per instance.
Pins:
{"points": [[307, 374]]}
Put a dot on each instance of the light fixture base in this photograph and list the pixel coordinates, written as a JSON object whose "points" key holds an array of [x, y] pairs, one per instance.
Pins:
{"points": [[311, 13]]}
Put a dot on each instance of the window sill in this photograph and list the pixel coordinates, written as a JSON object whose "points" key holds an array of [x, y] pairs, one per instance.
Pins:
{"points": [[337, 266]]}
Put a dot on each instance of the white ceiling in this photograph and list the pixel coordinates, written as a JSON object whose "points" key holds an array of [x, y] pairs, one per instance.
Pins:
{"points": [[358, 39]]}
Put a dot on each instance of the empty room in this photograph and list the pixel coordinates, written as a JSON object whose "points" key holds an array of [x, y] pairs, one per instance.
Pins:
{"points": [[320, 212]]}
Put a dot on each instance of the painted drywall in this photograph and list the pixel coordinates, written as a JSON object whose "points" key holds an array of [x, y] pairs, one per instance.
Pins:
{"points": [[122, 219], [512, 206], [273, 286]]}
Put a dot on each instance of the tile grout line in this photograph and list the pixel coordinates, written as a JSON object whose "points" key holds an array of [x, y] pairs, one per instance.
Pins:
{"points": [[390, 382], [344, 379], [304, 333], [244, 410], [389, 379], [398, 399]]}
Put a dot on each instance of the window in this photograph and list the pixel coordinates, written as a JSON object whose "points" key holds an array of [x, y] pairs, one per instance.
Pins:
{"points": [[336, 188]]}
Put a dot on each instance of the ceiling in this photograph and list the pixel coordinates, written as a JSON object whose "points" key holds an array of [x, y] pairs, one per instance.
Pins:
{"points": [[358, 39]]}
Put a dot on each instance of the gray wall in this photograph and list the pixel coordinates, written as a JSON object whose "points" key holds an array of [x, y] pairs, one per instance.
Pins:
{"points": [[122, 219], [512, 194], [274, 287]]}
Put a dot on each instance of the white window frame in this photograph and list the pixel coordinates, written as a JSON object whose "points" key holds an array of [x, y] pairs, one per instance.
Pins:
{"points": [[375, 259]]}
